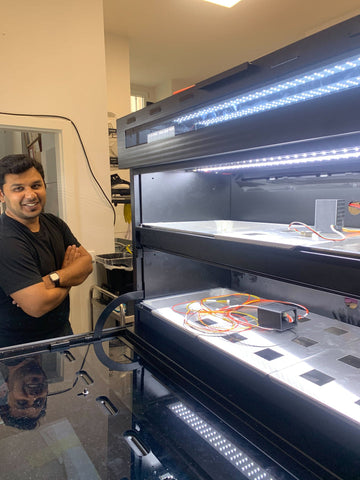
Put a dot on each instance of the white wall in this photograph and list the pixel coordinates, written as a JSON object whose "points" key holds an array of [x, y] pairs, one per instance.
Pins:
{"points": [[52, 58], [117, 74], [149, 93], [118, 102]]}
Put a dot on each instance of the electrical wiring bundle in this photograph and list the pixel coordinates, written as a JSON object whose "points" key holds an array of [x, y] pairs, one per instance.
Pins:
{"points": [[230, 313]]}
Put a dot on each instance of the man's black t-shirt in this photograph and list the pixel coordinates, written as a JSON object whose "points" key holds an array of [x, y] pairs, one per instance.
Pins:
{"points": [[25, 257]]}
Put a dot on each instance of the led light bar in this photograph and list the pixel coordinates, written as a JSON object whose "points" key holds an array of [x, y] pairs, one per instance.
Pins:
{"points": [[350, 153], [161, 134], [227, 449], [323, 81]]}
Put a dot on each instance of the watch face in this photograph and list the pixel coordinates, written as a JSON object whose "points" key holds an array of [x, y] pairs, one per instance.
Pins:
{"points": [[54, 277]]}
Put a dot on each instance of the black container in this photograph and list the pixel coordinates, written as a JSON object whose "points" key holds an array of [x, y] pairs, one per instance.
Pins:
{"points": [[115, 272]]}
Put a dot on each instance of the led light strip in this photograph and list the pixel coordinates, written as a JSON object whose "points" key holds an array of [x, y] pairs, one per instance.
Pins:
{"points": [[285, 160], [161, 134], [283, 102], [227, 449], [218, 115]]}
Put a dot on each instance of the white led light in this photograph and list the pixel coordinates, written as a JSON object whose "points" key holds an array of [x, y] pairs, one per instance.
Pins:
{"points": [[315, 84], [161, 134], [280, 103], [287, 160], [226, 448]]}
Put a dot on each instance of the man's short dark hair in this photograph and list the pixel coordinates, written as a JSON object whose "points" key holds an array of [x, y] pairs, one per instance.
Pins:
{"points": [[22, 423], [18, 164]]}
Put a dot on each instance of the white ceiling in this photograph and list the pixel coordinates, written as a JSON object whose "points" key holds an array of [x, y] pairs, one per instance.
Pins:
{"points": [[191, 40]]}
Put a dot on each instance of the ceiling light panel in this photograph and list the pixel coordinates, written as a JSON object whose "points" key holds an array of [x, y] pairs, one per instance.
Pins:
{"points": [[224, 3]]}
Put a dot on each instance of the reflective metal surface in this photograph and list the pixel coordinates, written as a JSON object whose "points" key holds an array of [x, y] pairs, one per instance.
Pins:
{"points": [[257, 233], [319, 357]]}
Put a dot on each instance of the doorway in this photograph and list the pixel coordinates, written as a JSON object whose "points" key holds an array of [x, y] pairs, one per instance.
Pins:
{"points": [[42, 146]]}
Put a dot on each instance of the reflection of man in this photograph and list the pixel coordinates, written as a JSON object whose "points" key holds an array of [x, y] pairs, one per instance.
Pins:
{"points": [[23, 392], [40, 259]]}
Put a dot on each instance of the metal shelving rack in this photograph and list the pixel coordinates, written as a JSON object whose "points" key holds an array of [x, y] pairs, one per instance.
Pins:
{"points": [[219, 152]]}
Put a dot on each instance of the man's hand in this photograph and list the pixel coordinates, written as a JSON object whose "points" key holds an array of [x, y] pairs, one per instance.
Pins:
{"points": [[76, 266], [71, 254]]}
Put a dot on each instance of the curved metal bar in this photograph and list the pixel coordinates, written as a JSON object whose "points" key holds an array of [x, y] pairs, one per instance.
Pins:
{"points": [[98, 346]]}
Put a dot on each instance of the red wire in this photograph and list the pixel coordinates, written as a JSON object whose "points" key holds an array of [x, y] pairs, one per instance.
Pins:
{"points": [[354, 204]]}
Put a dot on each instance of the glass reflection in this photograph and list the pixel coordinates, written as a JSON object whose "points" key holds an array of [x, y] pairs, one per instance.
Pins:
{"points": [[23, 392]]}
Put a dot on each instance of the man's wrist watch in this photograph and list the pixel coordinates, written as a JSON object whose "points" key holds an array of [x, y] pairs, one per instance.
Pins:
{"points": [[55, 278]]}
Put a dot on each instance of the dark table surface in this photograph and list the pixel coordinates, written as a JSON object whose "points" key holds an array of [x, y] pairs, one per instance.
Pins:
{"points": [[65, 415]]}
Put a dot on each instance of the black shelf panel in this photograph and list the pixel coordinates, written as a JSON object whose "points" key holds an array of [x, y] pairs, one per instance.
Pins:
{"points": [[299, 265]]}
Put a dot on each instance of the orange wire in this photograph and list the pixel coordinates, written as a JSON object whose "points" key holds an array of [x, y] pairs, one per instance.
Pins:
{"points": [[228, 313]]}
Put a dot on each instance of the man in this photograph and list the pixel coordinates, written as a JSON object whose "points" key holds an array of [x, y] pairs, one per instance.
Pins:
{"points": [[23, 392], [40, 259]]}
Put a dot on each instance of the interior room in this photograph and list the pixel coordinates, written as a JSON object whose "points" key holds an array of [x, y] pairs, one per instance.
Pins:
{"points": [[205, 159], [90, 58]]}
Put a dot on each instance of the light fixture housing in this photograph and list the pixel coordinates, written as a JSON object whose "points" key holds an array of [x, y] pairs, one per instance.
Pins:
{"points": [[224, 3], [323, 80]]}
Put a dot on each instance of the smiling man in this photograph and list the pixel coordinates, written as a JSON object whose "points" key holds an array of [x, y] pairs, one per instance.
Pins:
{"points": [[23, 392], [40, 259]]}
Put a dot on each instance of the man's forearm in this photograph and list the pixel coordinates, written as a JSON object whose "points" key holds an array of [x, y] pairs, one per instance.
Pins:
{"points": [[39, 299], [43, 297]]}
